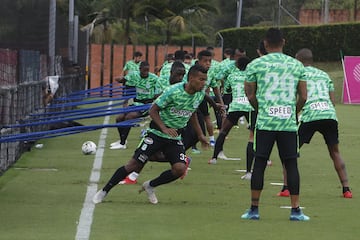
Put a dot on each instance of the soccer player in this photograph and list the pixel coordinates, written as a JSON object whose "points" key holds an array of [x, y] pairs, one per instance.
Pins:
{"points": [[133, 64], [205, 60], [239, 107], [275, 86], [189, 135], [169, 113], [144, 82], [319, 114]]}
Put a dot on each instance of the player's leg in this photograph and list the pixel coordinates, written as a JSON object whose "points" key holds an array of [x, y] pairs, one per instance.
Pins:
{"points": [[330, 132], [229, 122], [175, 153], [305, 133], [118, 119], [264, 142], [287, 143], [141, 156], [251, 119], [119, 174]]}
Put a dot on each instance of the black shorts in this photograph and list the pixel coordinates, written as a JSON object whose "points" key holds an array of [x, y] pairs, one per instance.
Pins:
{"points": [[204, 108], [227, 99], [287, 143], [250, 117], [327, 127], [189, 135], [173, 150]]}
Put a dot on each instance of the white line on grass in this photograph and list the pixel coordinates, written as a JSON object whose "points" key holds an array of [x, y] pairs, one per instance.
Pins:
{"points": [[86, 216]]}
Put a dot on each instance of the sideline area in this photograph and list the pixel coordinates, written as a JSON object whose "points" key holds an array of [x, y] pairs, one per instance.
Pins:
{"points": [[86, 216]]}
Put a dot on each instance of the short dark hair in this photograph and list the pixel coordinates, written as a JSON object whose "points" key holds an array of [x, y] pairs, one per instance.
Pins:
{"points": [[177, 64], [242, 62], [204, 53], [195, 69], [144, 64], [274, 37], [179, 55], [137, 54]]}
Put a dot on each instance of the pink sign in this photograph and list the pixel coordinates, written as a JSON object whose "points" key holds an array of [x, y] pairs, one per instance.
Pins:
{"points": [[351, 86]]}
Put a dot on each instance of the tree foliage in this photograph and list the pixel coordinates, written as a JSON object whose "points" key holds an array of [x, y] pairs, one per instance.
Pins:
{"points": [[159, 21]]}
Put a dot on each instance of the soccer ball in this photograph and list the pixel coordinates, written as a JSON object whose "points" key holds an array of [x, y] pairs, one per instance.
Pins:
{"points": [[88, 147]]}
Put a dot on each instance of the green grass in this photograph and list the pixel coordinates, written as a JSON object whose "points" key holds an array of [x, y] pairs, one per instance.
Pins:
{"points": [[42, 195]]}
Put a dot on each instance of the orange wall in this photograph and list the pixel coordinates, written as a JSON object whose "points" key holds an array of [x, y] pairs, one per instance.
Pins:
{"points": [[156, 55]]}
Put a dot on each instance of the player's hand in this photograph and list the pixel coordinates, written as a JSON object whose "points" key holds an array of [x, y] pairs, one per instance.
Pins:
{"points": [[204, 142], [120, 78], [221, 108], [170, 131]]}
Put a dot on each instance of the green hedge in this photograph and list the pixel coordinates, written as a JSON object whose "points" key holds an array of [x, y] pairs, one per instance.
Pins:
{"points": [[326, 41], [186, 39]]}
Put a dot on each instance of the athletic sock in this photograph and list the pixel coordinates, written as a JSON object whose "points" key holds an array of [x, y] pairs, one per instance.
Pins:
{"points": [[219, 144], [124, 135], [211, 138], [295, 210], [253, 207], [345, 189], [119, 175], [284, 188], [165, 177]]}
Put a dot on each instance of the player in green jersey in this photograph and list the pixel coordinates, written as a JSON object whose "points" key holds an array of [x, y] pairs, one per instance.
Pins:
{"points": [[130, 66], [275, 86], [239, 107], [170, 113], [205, 60], [133, 64], [144, 83], [318, 114], [189, 135]]}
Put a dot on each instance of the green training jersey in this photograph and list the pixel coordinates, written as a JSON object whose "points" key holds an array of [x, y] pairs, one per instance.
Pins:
{"points": [[239, 101], [277, 76], [145, 87], [211, 80], [318, 105], [161, 84], [176, 107], [228, 66], [165, 70], [131, 66]]}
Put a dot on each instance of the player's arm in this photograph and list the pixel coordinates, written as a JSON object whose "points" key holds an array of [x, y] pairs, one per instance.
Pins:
{"points": [[155, 116], [195, 124], [332, 97], [120, 79], [217, 93], [250, 91], [302, 96]]}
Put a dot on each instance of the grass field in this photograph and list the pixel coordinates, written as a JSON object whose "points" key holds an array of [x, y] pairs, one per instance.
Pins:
{"points": [[42, 195]]}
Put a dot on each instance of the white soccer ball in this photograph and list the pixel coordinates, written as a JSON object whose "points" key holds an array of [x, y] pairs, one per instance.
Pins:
{"points": [[88, 147]]}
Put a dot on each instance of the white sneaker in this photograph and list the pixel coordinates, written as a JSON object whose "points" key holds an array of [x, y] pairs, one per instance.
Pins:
{"points": [[221, 155], [247, 176], [212, 161], [118, 146], [114, 143], [150, 192], [117, 143], [99, 196]]}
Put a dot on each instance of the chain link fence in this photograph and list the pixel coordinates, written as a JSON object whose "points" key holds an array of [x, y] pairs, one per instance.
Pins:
{"points": [[26, 44]]}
